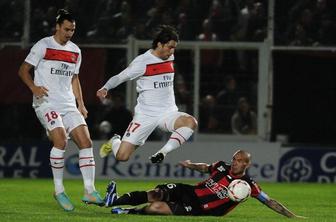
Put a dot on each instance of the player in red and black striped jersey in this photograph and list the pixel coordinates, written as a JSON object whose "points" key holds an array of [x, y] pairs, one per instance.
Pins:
{"points": [[212, 192], [208, 197]]}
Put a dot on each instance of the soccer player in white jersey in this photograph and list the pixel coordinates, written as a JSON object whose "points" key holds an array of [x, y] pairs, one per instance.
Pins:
{"points": [[154, 71], [56, 89]]}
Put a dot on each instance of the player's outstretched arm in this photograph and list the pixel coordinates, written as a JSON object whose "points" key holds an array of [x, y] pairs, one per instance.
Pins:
{"points": [[277, 206], [281, 209], [201, 167]]}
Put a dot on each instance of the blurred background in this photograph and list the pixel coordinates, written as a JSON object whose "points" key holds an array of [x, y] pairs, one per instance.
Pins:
{"points": [[255, 71]]}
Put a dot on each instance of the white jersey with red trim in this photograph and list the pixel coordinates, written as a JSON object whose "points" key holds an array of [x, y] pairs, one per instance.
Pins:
{"points": [[155, 83], [55, 66]]}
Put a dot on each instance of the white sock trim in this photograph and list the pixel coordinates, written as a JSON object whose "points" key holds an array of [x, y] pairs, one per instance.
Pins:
{"points": [[87, 168], [115, 146], [57, 166], [178, 137]]}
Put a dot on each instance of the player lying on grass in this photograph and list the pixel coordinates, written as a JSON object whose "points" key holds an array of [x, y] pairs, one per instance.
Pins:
{"points": [[209, 197]]}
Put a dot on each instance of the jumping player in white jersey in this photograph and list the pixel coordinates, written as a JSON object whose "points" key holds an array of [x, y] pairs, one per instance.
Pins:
{"points": [[56, 89], [154, 71]]}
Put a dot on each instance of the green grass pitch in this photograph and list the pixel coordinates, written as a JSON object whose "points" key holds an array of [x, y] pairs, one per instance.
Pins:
{"points": [[31, 200]]}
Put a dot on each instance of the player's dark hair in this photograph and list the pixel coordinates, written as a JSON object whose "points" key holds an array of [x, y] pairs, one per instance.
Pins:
{"points": [[62, 15], [164, 34]]}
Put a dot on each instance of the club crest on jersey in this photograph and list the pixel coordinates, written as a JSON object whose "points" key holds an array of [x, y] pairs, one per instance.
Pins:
{"points": [[221, 169]]}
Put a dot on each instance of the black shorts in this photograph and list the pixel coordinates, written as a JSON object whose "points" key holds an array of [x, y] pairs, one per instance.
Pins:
{"points": [[180, 198]]}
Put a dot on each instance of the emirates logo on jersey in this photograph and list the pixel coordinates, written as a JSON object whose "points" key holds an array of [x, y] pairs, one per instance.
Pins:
{"points": [[63, 70]]}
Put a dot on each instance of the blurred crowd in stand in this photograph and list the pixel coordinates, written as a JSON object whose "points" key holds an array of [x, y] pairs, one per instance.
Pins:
{"points": [[305, 23], [228, 81], [299, 23], [114, 20]]}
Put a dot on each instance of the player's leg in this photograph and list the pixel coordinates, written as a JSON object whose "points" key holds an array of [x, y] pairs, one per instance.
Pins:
{"points": [[112, 145], [132, 198], [135, 135], [139, 197], [182, 126], [136, 198], [158, 207], [165, 192], [52, 122], [178, 197], [59, 139], [165, 199], [79, 132], [164, 208], [124, 151], [155, 208], [121, 150], [80, 136]]}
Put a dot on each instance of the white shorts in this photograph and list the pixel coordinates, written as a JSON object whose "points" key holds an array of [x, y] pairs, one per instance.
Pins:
{"points": [[51, 119], [142, 126]]}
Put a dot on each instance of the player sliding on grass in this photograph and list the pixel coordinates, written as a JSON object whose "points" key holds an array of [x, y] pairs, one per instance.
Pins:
{"points": [[209, 197], [156, 102], [56, 89]]}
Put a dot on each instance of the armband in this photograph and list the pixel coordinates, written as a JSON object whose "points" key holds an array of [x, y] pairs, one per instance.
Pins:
{"points": [[263, 197]]}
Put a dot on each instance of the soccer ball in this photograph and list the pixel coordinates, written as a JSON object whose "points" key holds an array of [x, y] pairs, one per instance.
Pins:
{"points": [[239, 190]]}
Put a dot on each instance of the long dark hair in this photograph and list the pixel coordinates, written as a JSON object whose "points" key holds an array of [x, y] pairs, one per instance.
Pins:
{"points": [[163, 34]]}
